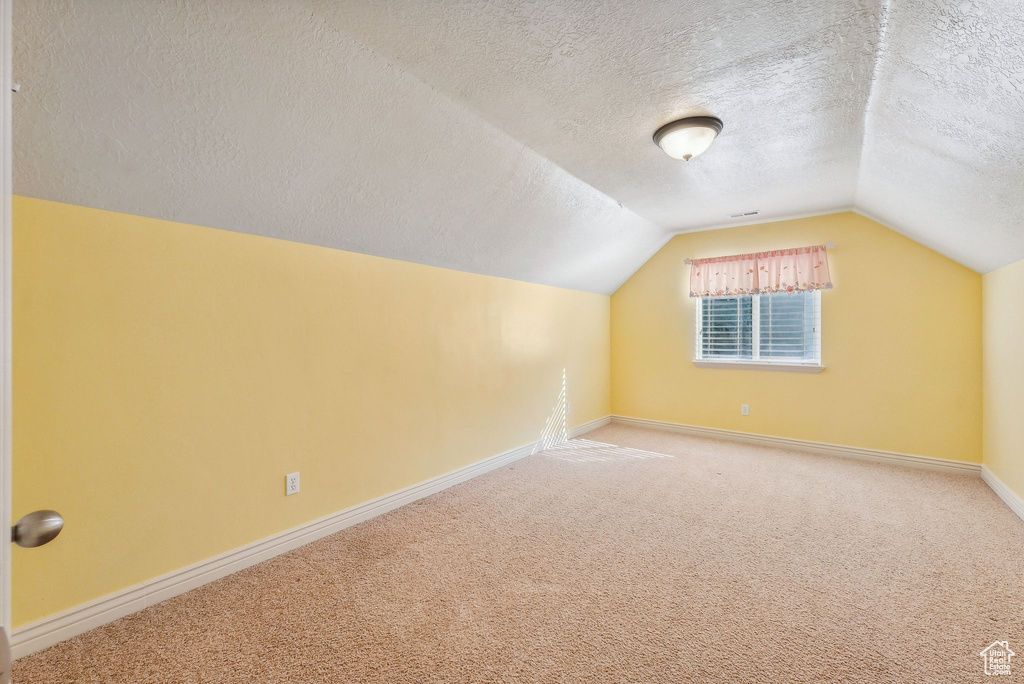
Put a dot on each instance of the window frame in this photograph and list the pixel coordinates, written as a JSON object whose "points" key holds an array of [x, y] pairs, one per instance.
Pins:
{"points": [[757, 362]]}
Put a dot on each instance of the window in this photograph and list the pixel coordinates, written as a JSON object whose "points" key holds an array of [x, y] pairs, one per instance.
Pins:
{"points": [[771, 329]]}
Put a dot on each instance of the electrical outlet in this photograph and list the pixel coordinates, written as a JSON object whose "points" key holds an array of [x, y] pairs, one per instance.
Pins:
{"points": [[745, 409], [568, 407], [291, 484]]}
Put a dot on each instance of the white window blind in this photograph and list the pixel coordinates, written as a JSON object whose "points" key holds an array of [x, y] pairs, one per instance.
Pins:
{"points": [[771, 328]]}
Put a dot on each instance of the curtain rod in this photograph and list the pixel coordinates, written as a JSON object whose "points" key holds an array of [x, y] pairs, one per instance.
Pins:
{"points": [[828, 245]]}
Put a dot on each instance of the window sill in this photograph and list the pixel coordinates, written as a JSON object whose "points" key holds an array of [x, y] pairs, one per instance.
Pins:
{"points": [[760, 365]]}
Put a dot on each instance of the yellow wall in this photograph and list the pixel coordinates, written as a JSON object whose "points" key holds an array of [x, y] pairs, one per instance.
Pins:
{"points": [[903, 358], [167, 377], [1003, 315]]}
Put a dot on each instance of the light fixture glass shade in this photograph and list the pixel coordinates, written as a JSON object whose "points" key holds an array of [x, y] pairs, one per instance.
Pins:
{"points": [[687, 138]]}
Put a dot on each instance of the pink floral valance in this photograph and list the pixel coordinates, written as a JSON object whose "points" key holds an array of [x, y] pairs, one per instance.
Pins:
{"points": [[784, 270]]}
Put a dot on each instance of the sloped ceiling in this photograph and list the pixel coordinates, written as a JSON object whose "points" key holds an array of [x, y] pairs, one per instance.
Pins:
{"points": [[943, 157], [587, 83], [266, 119], [513, 137]]}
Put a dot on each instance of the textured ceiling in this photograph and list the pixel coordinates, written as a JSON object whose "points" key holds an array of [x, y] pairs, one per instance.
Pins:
{"points": [[512, 137], [943, 158], [263, 118], [587, 83]]}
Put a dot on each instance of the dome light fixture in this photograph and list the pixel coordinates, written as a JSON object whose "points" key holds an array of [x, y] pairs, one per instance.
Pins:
{"points": [[687, 138]]}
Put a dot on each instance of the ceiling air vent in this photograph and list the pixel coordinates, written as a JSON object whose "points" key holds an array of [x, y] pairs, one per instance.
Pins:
{"points": [[745, 213]]}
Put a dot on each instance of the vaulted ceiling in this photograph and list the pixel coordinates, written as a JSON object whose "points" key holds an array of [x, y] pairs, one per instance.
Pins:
{"points": [[513, 137]]}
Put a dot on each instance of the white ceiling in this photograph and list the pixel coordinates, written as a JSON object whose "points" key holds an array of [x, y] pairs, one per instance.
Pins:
{"points": [[587, 83], [943, 158], [512, 137], [264, 118]]}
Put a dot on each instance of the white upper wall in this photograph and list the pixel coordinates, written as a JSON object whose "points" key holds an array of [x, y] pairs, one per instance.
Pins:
{"points": [[492, 135], [944, 149], [266, 119]]}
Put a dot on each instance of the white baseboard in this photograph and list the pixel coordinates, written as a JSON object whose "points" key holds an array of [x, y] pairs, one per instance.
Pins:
{"points": [[56, 628], [61, 626], [1009, 497], [587, 427], [928, 462]]}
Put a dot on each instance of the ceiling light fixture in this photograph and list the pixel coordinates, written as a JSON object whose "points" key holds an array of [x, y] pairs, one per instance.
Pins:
{"points": [[687, 138]]}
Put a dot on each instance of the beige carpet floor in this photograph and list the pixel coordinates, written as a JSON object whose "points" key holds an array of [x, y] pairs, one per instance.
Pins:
{"points": [[665, 559]]}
